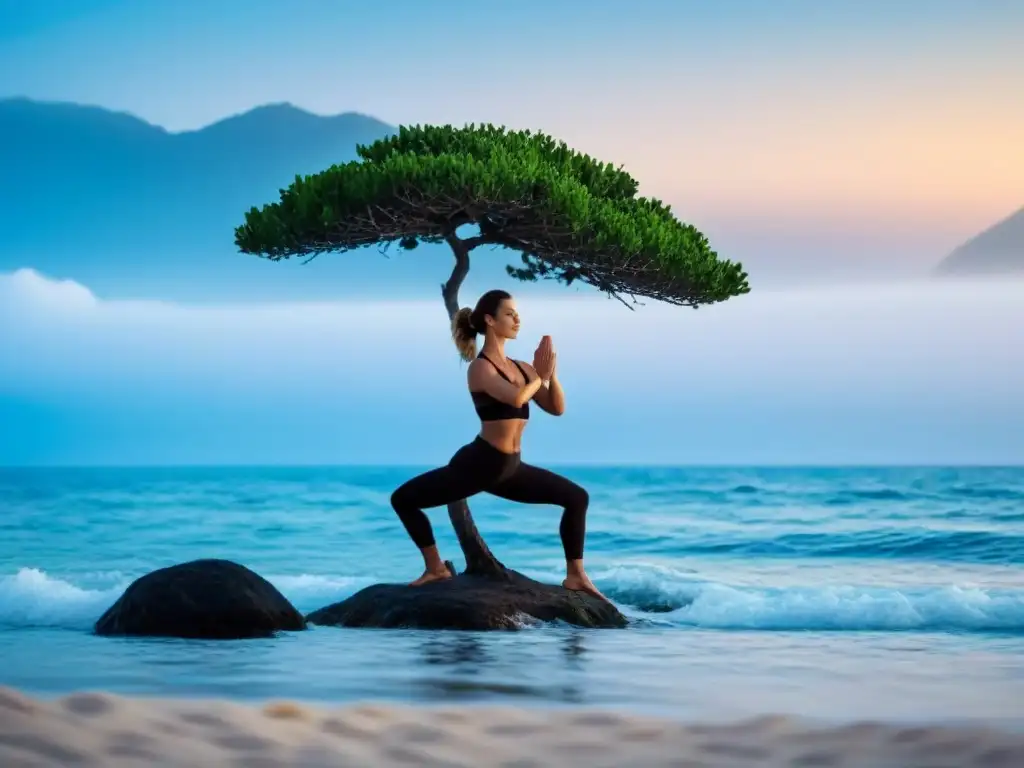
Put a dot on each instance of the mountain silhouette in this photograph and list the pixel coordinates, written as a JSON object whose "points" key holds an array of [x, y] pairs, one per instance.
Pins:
{"points": [[999, 249], [131, 209]]}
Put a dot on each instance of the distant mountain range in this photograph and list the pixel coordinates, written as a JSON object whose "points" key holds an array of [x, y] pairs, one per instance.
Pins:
{"points": [[999, 249], [129, 208]]}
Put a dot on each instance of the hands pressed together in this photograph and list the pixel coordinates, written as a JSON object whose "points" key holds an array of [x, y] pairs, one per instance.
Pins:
{"points": [[544, 359]]}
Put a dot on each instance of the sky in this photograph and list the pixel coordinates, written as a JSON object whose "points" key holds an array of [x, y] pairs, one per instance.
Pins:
{"points": [[884, 132], [896, 373], [844, 136]]}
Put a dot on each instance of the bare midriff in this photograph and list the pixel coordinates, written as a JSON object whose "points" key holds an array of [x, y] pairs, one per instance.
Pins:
{"points": [[505, 435]]}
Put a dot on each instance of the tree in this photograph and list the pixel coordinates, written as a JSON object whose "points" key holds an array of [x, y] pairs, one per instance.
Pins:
{"points": [[571, 217]]}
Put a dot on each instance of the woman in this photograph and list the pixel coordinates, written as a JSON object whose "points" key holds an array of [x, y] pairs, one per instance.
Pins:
{"points": [[501, 390]]}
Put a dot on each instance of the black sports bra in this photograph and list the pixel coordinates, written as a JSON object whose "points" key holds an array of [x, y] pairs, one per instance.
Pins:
{"points": [[489, 408]]}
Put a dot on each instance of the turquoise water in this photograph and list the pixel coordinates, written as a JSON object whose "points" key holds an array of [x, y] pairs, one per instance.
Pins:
{"points": [[892, 593]]}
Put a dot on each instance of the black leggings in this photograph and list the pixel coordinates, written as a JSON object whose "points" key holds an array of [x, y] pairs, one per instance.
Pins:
{"points": [[479, 466]]}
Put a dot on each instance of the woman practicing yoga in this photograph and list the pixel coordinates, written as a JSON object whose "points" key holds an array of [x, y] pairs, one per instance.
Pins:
{"points": [[501, 390]]}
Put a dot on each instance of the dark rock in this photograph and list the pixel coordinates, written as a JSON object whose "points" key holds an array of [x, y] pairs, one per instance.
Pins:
{"points": [[213, 599], [468, 602]]}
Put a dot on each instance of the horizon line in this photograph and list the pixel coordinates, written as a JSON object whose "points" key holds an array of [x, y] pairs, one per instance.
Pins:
{"points": [[576, 465]]}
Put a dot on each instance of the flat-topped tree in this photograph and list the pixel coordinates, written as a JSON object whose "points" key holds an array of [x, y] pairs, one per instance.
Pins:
{"points": [[571, 217]]}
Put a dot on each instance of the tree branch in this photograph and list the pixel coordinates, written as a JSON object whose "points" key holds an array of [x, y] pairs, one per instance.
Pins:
{"points": [[473, 242], [450, 290]]}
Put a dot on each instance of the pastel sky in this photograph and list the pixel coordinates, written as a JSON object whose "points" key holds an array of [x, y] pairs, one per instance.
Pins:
{"points": [[793, 124], [918, 373]]}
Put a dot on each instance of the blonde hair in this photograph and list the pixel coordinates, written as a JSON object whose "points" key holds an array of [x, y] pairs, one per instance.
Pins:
{"points": [[468, 323], [464, 333]]}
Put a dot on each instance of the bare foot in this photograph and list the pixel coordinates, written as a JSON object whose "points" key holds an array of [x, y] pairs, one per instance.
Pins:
{"points": [[429, 576], [583, 584]]}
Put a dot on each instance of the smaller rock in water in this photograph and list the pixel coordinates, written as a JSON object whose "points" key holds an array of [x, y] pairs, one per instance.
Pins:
{"points": [[202, 599]]}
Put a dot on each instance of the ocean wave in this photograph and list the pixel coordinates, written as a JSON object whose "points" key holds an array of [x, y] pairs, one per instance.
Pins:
{"points": [[855, 496], [949, 545], [908, 543], [660, 595], [33, 598], [677, 598], [883, 496], [986, 493]]}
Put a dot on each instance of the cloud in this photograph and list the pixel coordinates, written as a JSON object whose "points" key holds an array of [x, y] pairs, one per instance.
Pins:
{"points": [[26, 290], [903, 372]]}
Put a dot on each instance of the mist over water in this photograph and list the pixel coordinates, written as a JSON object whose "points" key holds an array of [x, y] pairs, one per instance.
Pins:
{"points": [[911, 372]]}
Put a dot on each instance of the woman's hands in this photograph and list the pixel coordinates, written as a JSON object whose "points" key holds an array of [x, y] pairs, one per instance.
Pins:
{"points": [[550, 396], [545, 359]]}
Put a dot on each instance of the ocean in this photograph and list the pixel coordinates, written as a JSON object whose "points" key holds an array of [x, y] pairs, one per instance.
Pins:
{"points": [[831, 593]]}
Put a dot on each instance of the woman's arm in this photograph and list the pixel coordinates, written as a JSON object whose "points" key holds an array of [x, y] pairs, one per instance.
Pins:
{"points": [[550, 398], [484, 376]]}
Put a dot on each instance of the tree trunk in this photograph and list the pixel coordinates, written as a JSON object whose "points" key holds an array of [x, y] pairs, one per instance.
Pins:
{"points": [[479, 559]]}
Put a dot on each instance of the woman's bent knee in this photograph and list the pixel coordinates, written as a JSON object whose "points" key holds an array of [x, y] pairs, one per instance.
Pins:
{"points": [[580, 498], [400, 500]]}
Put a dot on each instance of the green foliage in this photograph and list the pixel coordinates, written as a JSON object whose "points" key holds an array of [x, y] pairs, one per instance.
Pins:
{"points": [[571, 216]]}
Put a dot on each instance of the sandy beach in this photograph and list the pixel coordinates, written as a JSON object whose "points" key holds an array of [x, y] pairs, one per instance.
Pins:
{"points": [[100, 729]]}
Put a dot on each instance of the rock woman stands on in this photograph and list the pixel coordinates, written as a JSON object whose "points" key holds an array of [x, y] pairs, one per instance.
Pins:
{"points": [[501, 389]]}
